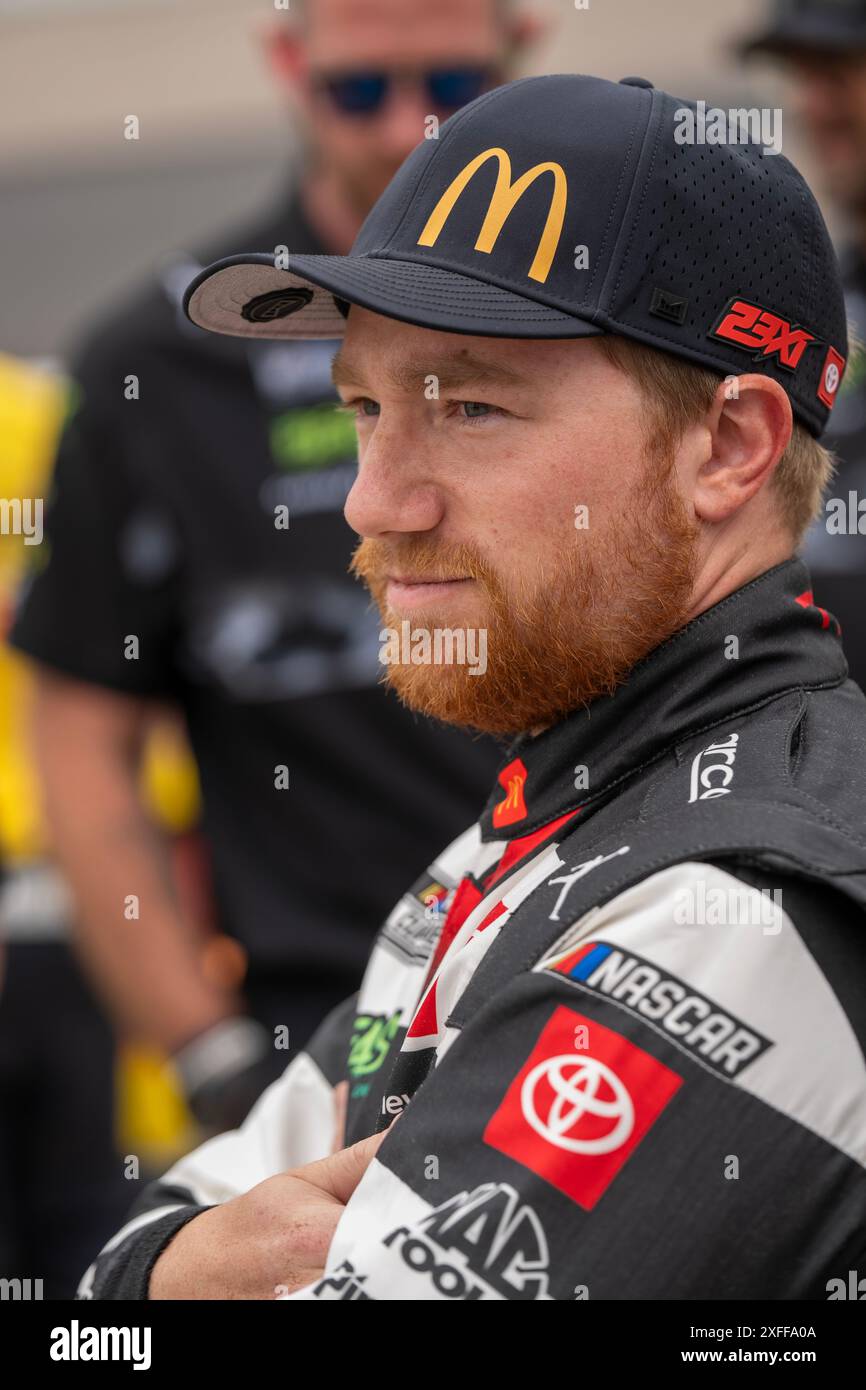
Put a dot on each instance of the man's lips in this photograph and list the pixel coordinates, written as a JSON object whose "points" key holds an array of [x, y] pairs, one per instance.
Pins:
{"points": [[404, 591]]}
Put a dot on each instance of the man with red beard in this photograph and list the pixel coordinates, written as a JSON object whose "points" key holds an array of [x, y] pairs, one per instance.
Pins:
{"points": [[589, 361]]}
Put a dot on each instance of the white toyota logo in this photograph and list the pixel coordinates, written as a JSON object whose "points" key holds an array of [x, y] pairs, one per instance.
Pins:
{"points": [[575, 1080], [831, 378]]}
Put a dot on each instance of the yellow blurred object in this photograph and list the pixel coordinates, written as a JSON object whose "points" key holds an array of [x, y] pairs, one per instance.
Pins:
{"points": [[21, 837], [153, 1121], [169, 779], [33, 403]]}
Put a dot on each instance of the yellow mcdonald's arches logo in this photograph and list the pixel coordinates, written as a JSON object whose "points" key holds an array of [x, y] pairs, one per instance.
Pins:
{"points": [[512, 800], [505, 195], [512, 780]]}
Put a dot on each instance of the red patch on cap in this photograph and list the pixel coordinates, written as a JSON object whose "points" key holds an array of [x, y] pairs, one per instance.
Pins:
{"points": [[831, 377], [763, 333]]}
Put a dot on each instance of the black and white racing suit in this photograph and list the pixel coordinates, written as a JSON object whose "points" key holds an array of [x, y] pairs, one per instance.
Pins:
{"points": [[624, 1014]]}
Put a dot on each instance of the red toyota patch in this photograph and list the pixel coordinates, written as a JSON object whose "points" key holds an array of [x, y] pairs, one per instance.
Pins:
{"points": [[831, 377], [574, 1114]]}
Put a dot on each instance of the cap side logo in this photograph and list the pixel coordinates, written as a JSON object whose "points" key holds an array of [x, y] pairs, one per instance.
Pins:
{"points": [[276, 304], [831, 377], [762, 333], [668, 306], [505, 197]]}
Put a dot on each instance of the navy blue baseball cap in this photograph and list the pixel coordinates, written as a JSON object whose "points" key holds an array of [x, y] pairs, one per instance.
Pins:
{"points": [[566, 207], [796, 26]]}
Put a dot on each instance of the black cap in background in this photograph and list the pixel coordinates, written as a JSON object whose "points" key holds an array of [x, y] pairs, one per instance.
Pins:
{"points": [[829, 26]]}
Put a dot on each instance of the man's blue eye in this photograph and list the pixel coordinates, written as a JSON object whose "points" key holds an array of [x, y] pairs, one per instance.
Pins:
{"points": [[474, 409], [369, 407]]}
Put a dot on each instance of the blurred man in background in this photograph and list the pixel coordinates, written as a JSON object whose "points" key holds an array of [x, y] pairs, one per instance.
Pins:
{"points": [[196, 558], [821, 45]]}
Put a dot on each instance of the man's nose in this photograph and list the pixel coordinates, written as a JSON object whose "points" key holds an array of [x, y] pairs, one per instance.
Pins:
{"points": [[816, 98], [401, 124], [393, 490]]}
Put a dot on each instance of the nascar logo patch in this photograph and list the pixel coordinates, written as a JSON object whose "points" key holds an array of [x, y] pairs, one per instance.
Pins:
{"points": [[714, 1036]]}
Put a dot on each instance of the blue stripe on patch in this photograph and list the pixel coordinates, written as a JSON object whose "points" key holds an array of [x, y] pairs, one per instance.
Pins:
{"points": [[583, 968]]}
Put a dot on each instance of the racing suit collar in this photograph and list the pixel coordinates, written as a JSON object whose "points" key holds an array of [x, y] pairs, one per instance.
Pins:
{"points": [[754, 645]]}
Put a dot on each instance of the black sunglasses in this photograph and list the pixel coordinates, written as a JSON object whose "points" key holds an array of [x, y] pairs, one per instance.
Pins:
{"points": [[363, 93]]}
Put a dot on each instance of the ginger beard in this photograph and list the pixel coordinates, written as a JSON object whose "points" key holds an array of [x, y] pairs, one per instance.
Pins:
{"points": [[560, 638]]}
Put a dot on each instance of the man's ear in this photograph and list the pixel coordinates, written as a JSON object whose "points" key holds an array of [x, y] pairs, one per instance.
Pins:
{"points": [[284, 51], [749, 424], [523, 30]]}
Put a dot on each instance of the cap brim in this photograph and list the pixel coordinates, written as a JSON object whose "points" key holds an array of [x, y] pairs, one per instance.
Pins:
{"points": [[249, 297]]}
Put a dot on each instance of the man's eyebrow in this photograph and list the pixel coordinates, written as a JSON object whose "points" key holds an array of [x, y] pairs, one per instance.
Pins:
{"points": [[450, 372]]}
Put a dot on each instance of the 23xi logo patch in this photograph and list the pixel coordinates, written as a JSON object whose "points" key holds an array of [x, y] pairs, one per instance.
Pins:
{"points": [[763, 333]]}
